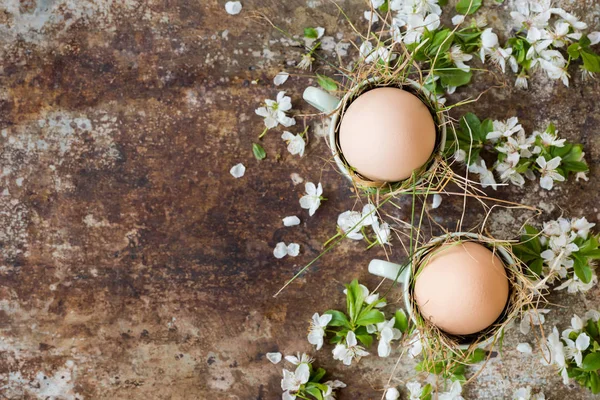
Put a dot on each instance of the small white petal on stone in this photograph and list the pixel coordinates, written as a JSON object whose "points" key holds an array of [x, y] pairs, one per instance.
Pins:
{"points": [[296, 179], [233, 7], [293, 249], [291, 221], [275, 358], [320, 31], [280, 78], [371, 16], [238, 170], [280, 250], [524, 348], [437, 200], [392, 394]]}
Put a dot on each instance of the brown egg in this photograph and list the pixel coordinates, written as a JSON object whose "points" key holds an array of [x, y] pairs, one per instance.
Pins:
{"points": [[461, 288], [387, 133]]}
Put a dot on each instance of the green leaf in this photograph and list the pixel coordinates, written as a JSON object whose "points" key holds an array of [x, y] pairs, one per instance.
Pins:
{"points": [[454, 77], [326, 82], [471, 125], [592, 329], [401, 321], [593, 254], [338, 318], [442, 40], [574, 50], [370, 317], [311, 33], [536, 266], [314, 392], [426, 393], [385, 6], [318, 375], [468, 37], [467, 7], [487, 126], [478, 356], [366, 339], [591, 61], [589, 245], [594, 382], [591, 362], [582, 270], [258, 151]]}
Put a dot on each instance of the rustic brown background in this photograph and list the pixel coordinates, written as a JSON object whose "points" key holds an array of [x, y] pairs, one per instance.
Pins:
{"points": [[133, 266]]}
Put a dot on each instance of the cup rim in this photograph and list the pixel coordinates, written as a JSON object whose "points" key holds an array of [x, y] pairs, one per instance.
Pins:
{"points": [[441, 133]]}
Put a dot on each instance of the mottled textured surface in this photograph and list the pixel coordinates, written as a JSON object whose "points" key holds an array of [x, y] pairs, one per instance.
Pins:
{"points": [[133, 265]]}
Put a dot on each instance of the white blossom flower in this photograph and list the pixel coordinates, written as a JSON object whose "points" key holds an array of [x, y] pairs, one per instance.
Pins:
{"points": [[317, 329], [548, 171], [457, 56], [486, 177], [306, 61], [371, 16], [292, 381], [414, 390], [299, 359], [291, 221], [350, 223], [349, 351], [570, 18], [274, 111], [416, 25], [233, 7], [505, 129], [524, 348], [274, 358], [594, 315], [437, 200], [557, 227], [331, 386], [509, 174], [490, 47], [575, 349], [574, 285], [295, 143], [549, 139], [453, 394], [560, 35], [576, 323], [582, 227], [368, 297], [521, 82], [369, 54], [539, 39], [387, 333], [383, 233], [526, 17], [594, 38], [312, 199], [280, 78], [281, 250], [532, 317], [238, 170], [554, 353], [369, 215], [392, 394]]}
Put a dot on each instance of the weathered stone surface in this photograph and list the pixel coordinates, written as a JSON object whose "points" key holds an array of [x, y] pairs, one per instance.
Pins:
{"points": [[134, 266]]}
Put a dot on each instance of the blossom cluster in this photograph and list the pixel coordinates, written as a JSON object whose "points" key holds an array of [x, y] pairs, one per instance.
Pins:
{"points": [[519, 156], [576, 351], [543, 34], [354, 224], [564, 249], [354, 331], [305, 382]]}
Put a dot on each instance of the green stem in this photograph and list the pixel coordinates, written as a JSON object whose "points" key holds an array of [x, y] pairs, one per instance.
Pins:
{"points": [[263, 133], [330, 239]]}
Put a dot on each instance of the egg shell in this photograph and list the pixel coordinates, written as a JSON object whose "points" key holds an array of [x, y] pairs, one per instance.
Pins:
{"points": [[387, 133], [462, 288]]}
